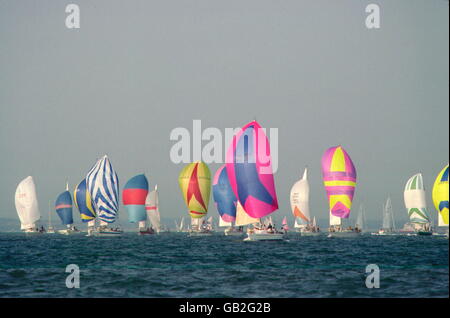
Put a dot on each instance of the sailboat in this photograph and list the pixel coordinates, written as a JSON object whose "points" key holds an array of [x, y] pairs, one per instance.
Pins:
{"points": [[195, 184], [249, 171], [152, 207], [63, 207], [84, 204], [414, 196], [361, 220], [180, 227], [134, 194], [27, 206], [339, 177], [300, 207], [50, 229], [103, 185], [440, 197], [225, 202], [388, 226]]}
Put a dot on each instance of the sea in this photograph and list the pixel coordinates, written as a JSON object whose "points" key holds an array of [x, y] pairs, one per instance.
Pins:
{"points": [[175, 265]]}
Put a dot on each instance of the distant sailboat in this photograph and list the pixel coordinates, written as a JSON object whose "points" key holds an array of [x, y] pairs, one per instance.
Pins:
{"points": [[339, 177], [361, 220], [84, 204], [134, 194], [50, 229], [388, 226], [225, 202], [414, 196], [63, 207], [152, 207], [103, 185], [440, 197], [27, 205], [300, 207], [251, 178], [195, 184]]}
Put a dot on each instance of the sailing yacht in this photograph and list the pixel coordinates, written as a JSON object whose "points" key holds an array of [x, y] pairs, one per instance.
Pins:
{"points": [[361, 220], [339, 176], [63, 207], [134, 196], [252, 181], [27, 206], [415, 203], [50, 229], [388, 226], [103, 185], [440, 197]]}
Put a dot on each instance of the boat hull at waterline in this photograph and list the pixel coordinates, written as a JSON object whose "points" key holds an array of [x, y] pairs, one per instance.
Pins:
{"points": [[200, 233], [348, 234], [233, 233], [307, 233], [264, 237]]}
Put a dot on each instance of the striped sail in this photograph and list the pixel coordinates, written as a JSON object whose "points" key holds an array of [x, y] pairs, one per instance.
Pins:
{"points": [[103, 186], [195, 184], [300, 200], [152, 208], [339, 176], [414, 196], [63, 206], [26, 203], [133, 198], [224, 197], [249, 170], [440, 196], [83, 202]]}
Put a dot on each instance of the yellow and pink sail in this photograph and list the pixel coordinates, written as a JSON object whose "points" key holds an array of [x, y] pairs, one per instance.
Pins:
{"points": [[195, 184], [339, 177], [249, 169]]}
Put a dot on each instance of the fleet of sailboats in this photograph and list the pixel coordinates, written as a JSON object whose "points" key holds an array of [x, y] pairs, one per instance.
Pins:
{"points": [[244, 195]]}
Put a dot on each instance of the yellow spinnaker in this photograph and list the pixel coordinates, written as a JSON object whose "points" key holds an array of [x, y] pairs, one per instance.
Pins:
{"points": [[195, 185], [440, 196]]}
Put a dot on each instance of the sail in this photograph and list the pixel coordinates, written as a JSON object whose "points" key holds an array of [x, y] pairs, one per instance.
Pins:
{"points": [[134, 194], [440, 196], [360, 222], [300, 199], [182, 224], [63, 206], [223, 223], [250, 173], [26, 203], [414, 196], [195, 185], [103, 185], [242, 217], [224, 196], [388, 215], [83, 202], [339, 176], [284, 224], [152, 207]]}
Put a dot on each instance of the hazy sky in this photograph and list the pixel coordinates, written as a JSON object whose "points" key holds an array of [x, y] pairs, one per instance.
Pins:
{"points": [[135, 70]]}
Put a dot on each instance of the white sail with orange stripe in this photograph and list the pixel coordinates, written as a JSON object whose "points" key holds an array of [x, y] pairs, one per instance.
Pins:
{"points": [[300, 200]]}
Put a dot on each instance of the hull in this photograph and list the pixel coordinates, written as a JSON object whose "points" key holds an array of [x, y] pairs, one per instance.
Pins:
{"points": [[264, 237], [233, 233], [147, 232], [344, 234], [306, 233], [108, 233], [424, 233]]}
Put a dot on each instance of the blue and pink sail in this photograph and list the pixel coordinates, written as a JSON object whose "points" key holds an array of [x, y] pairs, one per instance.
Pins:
{"points": [[339, 177], [224, 196], [133, 195], [249, 169], [63, 206]]}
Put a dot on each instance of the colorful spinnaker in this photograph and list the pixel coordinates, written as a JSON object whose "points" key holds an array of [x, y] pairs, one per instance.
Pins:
{"points": [[26, 204], [339, 177], [152, 208], [415, 202], [249, 169], [83, 202], [63, 206], [134, 194], [224, 197], [300, 200], [103, 186], [195, 184], [440, 196]]}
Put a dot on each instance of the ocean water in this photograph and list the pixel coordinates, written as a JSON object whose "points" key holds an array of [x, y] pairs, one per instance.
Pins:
{"points": [[174, 265]]}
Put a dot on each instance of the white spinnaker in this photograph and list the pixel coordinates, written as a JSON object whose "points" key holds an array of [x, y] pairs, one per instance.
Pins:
{"points": [[300, 199], [152, 208], [26, 203], [242, 218], [335, 220], [415, 202]]}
